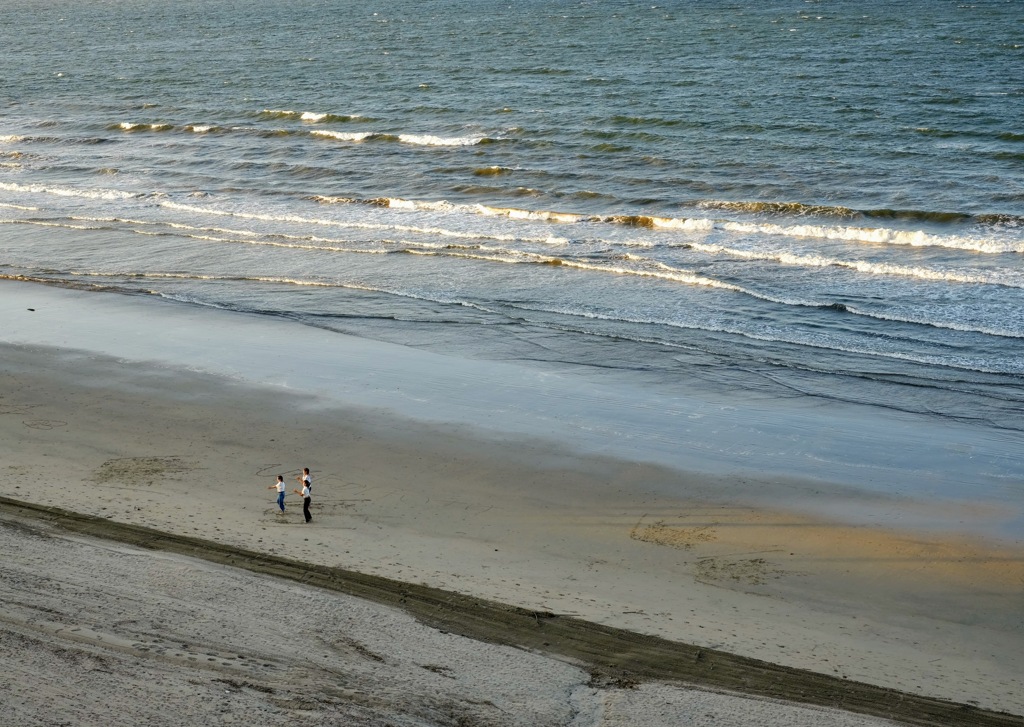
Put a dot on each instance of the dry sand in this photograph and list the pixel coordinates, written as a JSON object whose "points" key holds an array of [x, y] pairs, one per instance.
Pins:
{"points": [[95, 633], [508, 519]]}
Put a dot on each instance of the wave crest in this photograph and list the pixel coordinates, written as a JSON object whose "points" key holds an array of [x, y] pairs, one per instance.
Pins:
{"points": [[138, 127], [310, 117]]}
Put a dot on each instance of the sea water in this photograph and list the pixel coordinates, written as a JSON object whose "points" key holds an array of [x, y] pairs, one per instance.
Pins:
{"points": [[803, 204]]}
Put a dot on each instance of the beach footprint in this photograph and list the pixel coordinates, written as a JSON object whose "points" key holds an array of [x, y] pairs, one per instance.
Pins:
{"points": [[144, 470], [17, 409], [750, 572], [673, 536], [44, 424]]}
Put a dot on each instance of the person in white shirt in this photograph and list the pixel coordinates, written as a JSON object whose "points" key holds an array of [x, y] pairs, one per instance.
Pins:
{"points": [[279, 485], [305, 478], [306, 499]]}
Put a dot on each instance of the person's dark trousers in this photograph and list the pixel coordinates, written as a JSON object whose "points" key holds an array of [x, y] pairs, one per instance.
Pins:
{"points": [[305, 508]]}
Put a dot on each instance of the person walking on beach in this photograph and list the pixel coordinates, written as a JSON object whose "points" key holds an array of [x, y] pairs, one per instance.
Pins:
{"points": [[280, 491], [306, 479], [306, 499]]}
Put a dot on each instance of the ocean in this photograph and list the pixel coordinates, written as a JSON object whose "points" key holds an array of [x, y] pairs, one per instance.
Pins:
{"points": [[804, 203]]}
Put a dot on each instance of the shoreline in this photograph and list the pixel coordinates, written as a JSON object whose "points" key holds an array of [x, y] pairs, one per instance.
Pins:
{"points": [[614, 658], [548, 528], [931, 475]]}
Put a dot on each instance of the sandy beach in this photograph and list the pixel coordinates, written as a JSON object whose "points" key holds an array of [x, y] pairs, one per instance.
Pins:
{"points": [[96, 632], [106, 430]]}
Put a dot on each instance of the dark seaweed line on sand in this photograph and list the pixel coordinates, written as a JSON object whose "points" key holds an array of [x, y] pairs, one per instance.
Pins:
{"points": [[614, 656]]}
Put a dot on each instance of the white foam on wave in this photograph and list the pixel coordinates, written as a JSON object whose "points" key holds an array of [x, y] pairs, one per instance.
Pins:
{"points": [[328, 199], [651, 269], [444, 206], [699, 224], [642, 267], [106, 194], [299, 219], [312, 117], [521, 214], [879, 235], [430, 140], [11, 139], [131, 126], [305, 242], [7, 205], [517, 213], [343, 135], [225, 278], [632, 265], [47, 223], [662, 272], [247, 215], [397, 203], [655, 270], [330, 244], [1003, 277], [413, 139]]}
